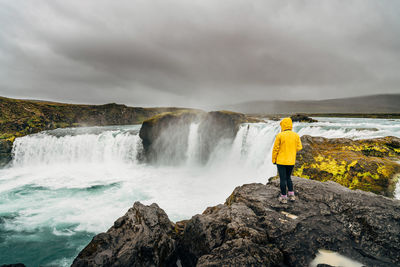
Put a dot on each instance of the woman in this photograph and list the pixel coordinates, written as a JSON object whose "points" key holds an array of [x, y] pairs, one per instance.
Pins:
{"points": [[286, 145]]}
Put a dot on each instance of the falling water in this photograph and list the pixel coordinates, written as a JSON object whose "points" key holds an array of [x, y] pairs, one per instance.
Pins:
{"points": [[64, 186], [193, 143]]}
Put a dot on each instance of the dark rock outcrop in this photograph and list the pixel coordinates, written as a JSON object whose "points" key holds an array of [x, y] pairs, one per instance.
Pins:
{"points": [[142, 237], [253, 229], [368, 164], [302, 118], [165, 136], [5, 151], [217, 126]]}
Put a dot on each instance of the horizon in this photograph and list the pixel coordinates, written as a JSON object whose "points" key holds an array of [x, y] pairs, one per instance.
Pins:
{"points": [[206, 108], [199, 54]]}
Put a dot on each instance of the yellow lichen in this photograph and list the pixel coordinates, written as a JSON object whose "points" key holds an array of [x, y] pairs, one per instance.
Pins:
{"points": [[299, 172], [384, 171], [329, 165]]}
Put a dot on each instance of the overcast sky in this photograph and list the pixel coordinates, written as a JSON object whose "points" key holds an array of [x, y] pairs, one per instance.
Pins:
{"points": [[197, 53]]}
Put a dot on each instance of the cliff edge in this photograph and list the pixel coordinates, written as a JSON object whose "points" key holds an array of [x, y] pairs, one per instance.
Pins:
{"points": [[252, 229]]}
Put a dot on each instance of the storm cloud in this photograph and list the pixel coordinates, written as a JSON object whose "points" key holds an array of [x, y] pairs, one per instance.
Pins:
{"points": [[198, 53]]}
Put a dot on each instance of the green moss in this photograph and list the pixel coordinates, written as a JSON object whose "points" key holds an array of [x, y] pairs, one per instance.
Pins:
{"points": [[299, 172], [22, 117], [329, 165]]}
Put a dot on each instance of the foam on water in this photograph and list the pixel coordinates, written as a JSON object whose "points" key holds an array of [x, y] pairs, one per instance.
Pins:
{"points": [[333, 259], [66, 185]]}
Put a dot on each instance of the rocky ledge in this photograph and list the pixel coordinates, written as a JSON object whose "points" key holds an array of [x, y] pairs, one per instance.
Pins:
{"points": [[253, 229], [368, 164]]}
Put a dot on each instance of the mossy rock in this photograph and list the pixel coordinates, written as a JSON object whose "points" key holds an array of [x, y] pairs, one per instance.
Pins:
{"points": [[368, 165], [22, 117]]}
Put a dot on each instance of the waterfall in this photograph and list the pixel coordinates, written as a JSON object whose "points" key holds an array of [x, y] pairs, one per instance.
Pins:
{"points": [[66, 184], [102, 148], [193, 144]]}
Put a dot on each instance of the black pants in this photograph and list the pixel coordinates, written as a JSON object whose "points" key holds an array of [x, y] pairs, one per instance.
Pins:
{"points": [[285, 172]]}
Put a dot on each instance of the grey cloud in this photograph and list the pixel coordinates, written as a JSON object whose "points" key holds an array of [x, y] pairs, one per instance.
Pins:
{"points": [[199, 53]]}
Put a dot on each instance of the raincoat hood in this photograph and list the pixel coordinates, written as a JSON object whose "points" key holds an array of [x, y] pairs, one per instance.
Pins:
{"points": [[286, 124]]}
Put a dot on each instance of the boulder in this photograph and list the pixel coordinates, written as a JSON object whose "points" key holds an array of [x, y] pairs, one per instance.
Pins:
{"points": [[5, 151], [217, 126], [302, 118], [165, 136], [253, 229], [142, 237], [369, 165]]}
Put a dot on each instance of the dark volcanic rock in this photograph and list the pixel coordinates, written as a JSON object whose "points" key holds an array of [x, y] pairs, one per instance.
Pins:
{"points": [[253, 229], [302, 118], [13, 265], [217, 126], [5, 151], [165, 136], [142, 237]]}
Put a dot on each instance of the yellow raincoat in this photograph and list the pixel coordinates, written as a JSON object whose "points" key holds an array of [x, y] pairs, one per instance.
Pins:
{"points": [[286, 145]]}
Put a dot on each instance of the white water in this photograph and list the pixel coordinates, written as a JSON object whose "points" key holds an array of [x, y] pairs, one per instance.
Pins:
{"points": [[81, 180], [193, 144], [334, 259]]}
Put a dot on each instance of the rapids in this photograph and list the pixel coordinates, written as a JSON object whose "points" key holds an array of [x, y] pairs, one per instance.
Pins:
{"points": [[64, 186]]}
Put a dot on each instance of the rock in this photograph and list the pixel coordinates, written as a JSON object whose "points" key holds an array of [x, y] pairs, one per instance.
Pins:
{"points": [[5, 151], [369, 164], [165, 136], [22, 117], [253, 229], [302, 118], [217, 126], [13, 265], [142, 237]]}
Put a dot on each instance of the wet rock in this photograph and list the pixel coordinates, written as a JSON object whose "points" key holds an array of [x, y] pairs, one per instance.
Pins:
{"points": [[5, 151], [165, 136], [218, 126], [13, 265], [302, 118], [142, 237], [253, 229], [369, 164]]}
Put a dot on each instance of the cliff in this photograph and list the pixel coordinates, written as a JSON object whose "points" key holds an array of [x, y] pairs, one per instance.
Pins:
{"points": [[165, 135], [23, 117], [252, 229]]}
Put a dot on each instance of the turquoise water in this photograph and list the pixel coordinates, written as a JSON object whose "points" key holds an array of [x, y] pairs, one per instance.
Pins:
{"points": [[67, 185]]}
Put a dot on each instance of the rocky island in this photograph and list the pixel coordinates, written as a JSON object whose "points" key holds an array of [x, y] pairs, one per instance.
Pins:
{"points": [[252, 229]]}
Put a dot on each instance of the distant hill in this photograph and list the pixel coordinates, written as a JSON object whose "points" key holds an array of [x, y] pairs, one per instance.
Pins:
{"points": [[22, 117], [389, 103]]}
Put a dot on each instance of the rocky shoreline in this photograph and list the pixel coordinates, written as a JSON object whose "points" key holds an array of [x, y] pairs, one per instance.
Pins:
{"points": [[252, 229]]}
